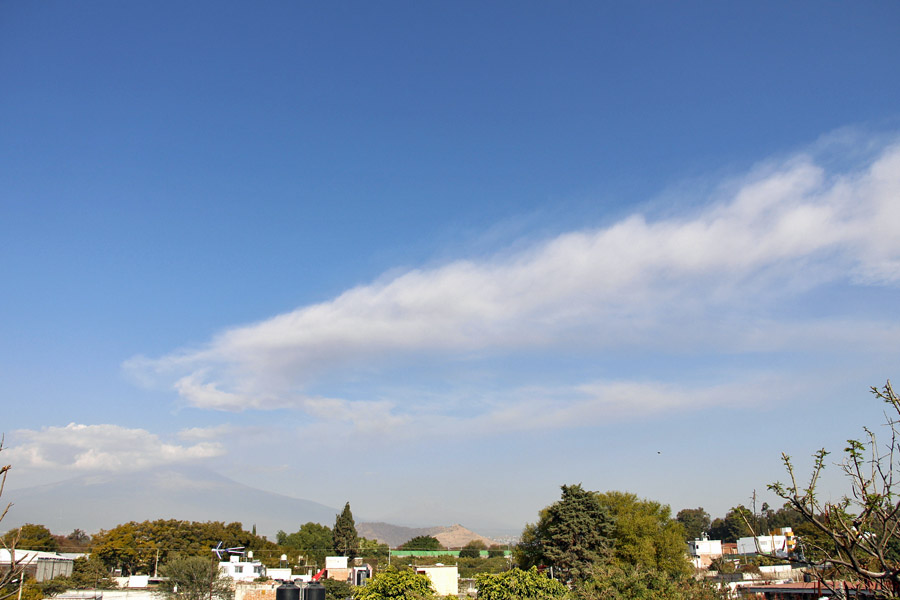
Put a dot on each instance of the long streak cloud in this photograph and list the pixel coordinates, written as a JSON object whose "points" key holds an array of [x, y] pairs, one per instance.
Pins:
{"points": [[778, 232]]}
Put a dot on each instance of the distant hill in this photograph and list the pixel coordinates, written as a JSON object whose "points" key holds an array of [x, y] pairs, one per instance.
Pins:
{"points": [[99, 502], [454, 536], [95, 502]]}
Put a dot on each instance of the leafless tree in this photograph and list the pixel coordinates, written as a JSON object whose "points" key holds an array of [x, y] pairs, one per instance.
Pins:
{"points": [[859, 535], [16, 568]]}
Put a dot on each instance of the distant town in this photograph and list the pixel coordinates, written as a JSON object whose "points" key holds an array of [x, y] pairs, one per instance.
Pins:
{"points": [[749, 552]]}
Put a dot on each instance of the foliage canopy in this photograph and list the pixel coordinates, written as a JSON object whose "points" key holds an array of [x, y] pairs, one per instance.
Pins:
{"points": [[394, 584], [346, 541], [571, 535], [88, 572], [133, 546], [645, 535], [695, 521], [617, 582], [733, 526], [195, 578], [32, 537], [518, 584], [472, 549], [336, 589], [312, 540], [422, 542]]}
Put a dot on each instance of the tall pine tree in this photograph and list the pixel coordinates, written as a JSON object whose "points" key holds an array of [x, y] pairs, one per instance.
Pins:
{"points": [[572, 535], [344, 535]]}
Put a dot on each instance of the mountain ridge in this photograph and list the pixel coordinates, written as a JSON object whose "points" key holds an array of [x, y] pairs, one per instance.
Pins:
{"points": [[93, 502], [453, 536], [96, 501]]}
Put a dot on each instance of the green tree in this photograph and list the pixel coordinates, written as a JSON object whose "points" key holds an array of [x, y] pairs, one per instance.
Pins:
{"points": [[195, 578], [721, 564], [422, 542], [733, 526], [645, 535], [373, 551], [695, 522], [337, 590], [89, 572], [391, 583], [312, 540], [52, 587], [32, 537], [346, 541], [618, 582], [517, 584], [118, 548], [135, 547], [472, 549], [470, 567], [571, 535], [77, 541], [814, 544], [30, 590], [786, 516]]}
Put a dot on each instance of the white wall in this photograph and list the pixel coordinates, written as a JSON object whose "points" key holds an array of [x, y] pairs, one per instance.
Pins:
{"points": [[444, 579]]}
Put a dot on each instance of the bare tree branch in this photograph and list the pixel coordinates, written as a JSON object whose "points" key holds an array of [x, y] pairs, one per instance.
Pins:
{"points": [[862, 528], [11, 575]]}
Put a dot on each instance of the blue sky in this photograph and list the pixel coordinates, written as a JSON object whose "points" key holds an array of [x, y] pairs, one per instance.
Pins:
{"points": [[468, 252]]}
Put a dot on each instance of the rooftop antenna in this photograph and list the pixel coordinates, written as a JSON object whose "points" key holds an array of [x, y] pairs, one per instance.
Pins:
{"points": [[219, 550]]}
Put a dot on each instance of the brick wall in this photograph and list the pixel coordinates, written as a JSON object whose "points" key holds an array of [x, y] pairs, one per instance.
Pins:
{"points": [[255, 591]]}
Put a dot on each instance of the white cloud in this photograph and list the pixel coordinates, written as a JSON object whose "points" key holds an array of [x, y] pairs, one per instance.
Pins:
{"points": [[529, 409], [784, 229], [101, 448], [205, 433], [606, 402]]}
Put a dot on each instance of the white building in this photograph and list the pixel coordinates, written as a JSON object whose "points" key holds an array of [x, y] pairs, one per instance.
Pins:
{"points": [[43, 566], [763, 544], [336, 567], [703, 550], [242, 570], [279, 573], [444, 578]]}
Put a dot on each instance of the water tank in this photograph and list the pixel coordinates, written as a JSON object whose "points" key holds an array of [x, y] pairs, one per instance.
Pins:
{"points": [[313, 591], [288, 591]]}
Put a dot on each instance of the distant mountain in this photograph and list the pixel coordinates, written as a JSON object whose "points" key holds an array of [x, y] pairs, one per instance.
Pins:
{"points": [[454, 536], [95, 502]]}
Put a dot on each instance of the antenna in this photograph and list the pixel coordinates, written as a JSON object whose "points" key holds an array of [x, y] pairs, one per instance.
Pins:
{"points": [[219, 550]]}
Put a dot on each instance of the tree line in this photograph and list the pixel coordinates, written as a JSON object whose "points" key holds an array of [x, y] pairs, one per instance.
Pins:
{"points": [[587, 545]]}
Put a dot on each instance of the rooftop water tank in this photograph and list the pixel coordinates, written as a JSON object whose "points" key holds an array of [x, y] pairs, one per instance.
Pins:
{"points": [[287, 591], [313, 591]]}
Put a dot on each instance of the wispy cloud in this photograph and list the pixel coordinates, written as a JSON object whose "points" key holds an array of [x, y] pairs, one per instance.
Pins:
{"points": [[782, 230], [601, 402], [195, 434], [108, 448]]}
